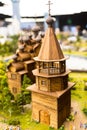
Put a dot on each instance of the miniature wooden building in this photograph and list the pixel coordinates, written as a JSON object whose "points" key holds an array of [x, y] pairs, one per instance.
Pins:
{"points": [[23, 62], [51, 95], [15, 75]]}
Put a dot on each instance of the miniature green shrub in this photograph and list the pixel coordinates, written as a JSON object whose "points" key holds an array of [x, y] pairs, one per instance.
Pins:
{"points": [[62, 128], [85, 111], [51, 128], [85, 85], [70, 118], [14, 122], [85, 88]]}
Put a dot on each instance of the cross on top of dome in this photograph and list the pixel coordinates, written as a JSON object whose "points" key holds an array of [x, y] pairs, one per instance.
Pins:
{"points": [[49, 4]]}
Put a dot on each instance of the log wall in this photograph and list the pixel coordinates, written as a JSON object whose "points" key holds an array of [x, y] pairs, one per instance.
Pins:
{"points": [[64, 106], [52, 84], [14, 82], [47, 105]]}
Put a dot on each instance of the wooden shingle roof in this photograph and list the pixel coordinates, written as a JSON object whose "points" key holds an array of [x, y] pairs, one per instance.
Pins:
{"points": [[50, 49], [53, 94], [24, 56], [17, 66]]}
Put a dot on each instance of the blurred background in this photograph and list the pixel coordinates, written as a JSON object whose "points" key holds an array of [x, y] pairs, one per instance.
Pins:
{"points": [[23, 23], [70, 16], [23, 14]]}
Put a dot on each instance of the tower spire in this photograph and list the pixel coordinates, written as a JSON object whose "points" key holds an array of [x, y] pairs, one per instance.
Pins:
{"points": [[49, 4]]}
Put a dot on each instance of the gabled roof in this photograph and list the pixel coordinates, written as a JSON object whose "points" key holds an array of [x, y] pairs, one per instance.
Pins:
{"points": [[50, 49]]}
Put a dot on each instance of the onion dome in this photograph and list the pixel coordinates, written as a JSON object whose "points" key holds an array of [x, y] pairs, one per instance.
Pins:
{"points": [[25, 38], [36, 28], [14, 57], [20, 38], [50, 21]]}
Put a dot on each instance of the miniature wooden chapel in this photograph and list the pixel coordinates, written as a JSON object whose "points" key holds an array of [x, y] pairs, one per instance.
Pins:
{"points": [[23, 62], [51, 95]]}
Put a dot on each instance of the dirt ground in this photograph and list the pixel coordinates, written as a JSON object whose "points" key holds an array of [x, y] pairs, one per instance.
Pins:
{"points": [[80, 118]]}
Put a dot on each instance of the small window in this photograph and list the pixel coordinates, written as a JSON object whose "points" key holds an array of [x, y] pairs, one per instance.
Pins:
{"points": [[43, 82], [56, 64], [13, 76], [41, 65], [45, 65], [14, 90], [51, 65]]}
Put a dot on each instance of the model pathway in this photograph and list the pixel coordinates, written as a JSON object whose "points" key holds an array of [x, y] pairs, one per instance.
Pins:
{"points": [[79, 118]]}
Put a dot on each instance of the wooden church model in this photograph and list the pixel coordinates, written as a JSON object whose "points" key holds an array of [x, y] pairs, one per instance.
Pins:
{"points": [[23, 62], [51, 95]]}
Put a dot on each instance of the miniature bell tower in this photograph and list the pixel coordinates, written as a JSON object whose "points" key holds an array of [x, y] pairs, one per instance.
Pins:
{"points": [[51, 95]]}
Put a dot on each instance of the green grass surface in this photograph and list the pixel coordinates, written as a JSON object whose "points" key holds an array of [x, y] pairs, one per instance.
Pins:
{"points": [[79, 95], [77, 53], [26, 122]]}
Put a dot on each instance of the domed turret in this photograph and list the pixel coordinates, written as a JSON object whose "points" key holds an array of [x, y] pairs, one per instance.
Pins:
{"points": [[36, 28], [49, 21]]}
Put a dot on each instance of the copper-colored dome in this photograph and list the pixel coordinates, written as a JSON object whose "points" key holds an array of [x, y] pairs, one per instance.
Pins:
{"points": [[14, 57], [25, 38], [36, 28], [49, 21], [20, 38]]}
